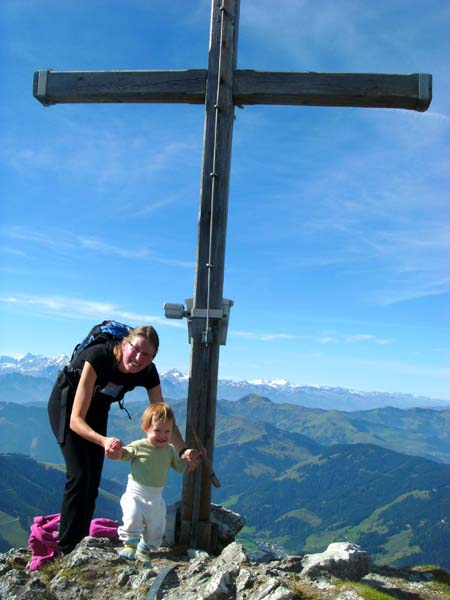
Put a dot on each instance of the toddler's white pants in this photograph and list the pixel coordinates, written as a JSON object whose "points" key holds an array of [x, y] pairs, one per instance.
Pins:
{"points": [[143, 514]]}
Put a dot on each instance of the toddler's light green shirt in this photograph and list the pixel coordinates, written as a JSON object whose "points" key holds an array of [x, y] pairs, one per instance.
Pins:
{"points": [[150, 465]]}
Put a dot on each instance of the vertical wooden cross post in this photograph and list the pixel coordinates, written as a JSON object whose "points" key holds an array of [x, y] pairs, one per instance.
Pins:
{"points": [[206, 329], [220, 88]]}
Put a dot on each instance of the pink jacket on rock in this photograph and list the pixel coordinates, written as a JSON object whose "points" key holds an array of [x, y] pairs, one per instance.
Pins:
{"points": [[43, 537]]}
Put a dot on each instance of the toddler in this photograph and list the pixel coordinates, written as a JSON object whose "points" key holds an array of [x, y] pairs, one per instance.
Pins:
{"points": [[143, 507]]}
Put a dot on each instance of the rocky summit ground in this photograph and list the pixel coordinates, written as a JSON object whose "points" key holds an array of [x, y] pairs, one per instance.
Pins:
{"points": [[94, 571]]}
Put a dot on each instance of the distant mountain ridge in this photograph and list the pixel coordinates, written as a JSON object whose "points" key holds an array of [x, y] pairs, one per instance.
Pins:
{"points": [[34, 365], [175, 386]]}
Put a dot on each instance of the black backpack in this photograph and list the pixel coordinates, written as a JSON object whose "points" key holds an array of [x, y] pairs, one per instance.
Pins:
{"points": [[103, 332], [67, 380]]}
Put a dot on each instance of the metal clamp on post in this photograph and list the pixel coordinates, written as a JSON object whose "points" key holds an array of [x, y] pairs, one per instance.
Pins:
{"points": [[178, 311]]}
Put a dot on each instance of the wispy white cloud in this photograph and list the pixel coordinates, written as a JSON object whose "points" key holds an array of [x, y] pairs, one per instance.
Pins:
{"points": [[442, 117], [108, 153], [97, 245], [353, 338], [364, 337], [300, 28], [319, 339], [366, 37], [405, 292], [63, 242], [391, 219], [417, 260], [327, 339], [78, 308], [266, 337], [56, 241], [14, 252], [153, 206]]}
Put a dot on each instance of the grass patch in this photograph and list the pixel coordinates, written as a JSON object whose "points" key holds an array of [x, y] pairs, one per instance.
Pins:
{"points": [[12, 531], [398, 546], [302, 515], [246, 537], [56, 466], [365, 591], [231, 501], [440, 578], [50, 570]]}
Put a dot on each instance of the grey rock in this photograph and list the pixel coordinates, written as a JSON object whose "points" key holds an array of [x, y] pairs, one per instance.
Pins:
{"points": [[61, 584], [219, 584], [233, 554], [244, 582], [95, 572], [342, 560], [92, 548], [227, 524], [349, 595], [211, 579], [15, 585], [289, 564], [198, 565], [273, 589], [193, 553]]}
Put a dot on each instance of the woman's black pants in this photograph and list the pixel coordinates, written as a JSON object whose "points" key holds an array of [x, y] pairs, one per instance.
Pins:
{"points": [[84, 463]]}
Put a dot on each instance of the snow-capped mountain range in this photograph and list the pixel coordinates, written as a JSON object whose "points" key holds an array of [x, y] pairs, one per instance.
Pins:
{"points": [[34, 365], [175, 385]]}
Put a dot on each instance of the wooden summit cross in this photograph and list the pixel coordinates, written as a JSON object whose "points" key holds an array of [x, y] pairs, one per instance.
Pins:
{"points": [[220, 88]]}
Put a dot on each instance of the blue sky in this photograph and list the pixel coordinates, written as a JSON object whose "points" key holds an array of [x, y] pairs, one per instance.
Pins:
{"points": [[338, 234]]}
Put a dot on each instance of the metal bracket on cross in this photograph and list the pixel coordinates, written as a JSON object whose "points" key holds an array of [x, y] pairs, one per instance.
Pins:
{"points": [[198, 318]]}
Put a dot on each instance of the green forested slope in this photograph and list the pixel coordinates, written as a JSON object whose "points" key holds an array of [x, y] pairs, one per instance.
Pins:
{"points": [[29, 489], [395, 506], [297, 490]]}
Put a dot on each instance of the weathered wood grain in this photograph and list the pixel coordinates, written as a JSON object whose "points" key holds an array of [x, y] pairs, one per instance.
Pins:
{"points": [[120, 86], [333, 89], [411, 92]]}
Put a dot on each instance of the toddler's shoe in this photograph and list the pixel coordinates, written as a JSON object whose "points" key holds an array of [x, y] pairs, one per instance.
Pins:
{"points": [[143, 554], [128, 551]]}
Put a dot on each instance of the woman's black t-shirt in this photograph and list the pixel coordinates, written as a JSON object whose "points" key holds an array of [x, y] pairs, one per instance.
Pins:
{"points": [[111, 386]]}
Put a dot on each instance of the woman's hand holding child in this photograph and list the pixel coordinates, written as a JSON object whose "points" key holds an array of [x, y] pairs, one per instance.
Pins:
{"points": [[113, 448]]}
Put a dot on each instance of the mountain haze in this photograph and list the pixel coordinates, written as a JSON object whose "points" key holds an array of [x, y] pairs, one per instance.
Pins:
{"points": [[175, 386]]}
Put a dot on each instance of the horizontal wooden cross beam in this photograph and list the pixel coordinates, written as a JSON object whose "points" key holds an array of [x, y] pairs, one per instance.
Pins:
{"points": [[411, 92]]}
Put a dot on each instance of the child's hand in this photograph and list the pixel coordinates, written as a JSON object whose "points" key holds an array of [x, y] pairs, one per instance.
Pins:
{"points": [[113, 448], [193, 458]]}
